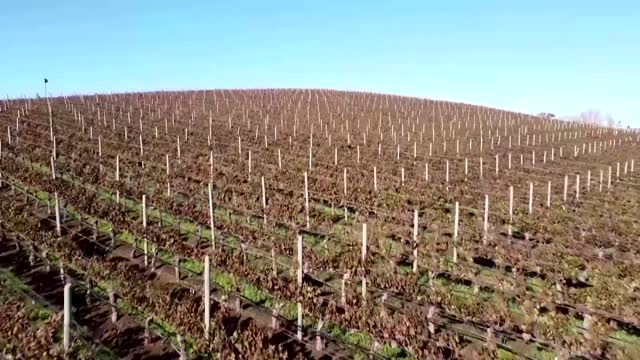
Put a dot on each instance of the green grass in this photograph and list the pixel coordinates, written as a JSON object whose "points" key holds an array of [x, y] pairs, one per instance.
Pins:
{"points": [[404, 269], [339, 230], [40, 314], [313, 240], [192, 265], [359, 338], [487, 271], [390, 246], [256, 295], [281, 231], [393, 352], [42, 196], [126, 237], [13, 286], [104, 226], [536, 285], [225, 281], [541, 354], [574, 326], [289, 311], [514, 308], [334, 330], [505, 355], [626, 337], [326, 210], [188, 227]]}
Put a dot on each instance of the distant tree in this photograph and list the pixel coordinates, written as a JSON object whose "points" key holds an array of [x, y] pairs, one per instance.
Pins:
{"points": [[591, 116], [609, 121], [547, 115], [595, 117]]}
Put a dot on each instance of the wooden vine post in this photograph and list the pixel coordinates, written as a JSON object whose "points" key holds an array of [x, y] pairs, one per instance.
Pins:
{"points": [[364, 258], [310, 153], [66, 337], [300, 261], [466, 168], [530, 198], [510, 210], [249, 164], [485, 226], [344, 181], [178, 148], [112, 302], [343, 289], [50, 120], [364, 242], [299, 333], [375, 179], [306, 198], [455, 232], [446, 177], [117, 167], [211, 225], [207, 296], [601, 180], [415, 241], [144, 227], [57, 204], [264, 202], [53, 169]]}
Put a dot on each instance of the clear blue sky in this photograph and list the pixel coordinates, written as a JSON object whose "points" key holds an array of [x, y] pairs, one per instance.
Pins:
{"points": [[556, 56]]}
